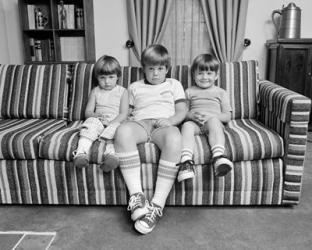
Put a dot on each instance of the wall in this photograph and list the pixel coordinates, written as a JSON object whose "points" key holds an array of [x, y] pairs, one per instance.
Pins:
{"points": [[111, 29], [259, 27], [110, 25]]}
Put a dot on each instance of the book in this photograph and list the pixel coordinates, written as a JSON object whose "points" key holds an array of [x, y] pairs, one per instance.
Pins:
{"points": [[72, 48], [31, 16], [32, 49], [38, 50], [70, 16]]}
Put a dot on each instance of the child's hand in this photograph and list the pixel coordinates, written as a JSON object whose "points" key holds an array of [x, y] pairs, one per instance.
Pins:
{"points": [[199, 117], [104, 120], [160, 123]]}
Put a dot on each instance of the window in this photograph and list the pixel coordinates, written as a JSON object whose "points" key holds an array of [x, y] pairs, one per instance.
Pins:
{"points": [[186, 34]]}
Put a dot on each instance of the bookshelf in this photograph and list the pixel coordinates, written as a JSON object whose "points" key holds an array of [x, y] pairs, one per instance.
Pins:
{"points": [[52, 37]]}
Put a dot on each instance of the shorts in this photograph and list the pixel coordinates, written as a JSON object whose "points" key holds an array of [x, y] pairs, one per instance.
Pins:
{"points": [[149, 125]]}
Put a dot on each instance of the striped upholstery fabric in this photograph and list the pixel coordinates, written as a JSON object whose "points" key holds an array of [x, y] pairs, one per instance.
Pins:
{"points": [[56, 182], [287, 113], [83, 81], [240, 79], [246, 139], [19, 138], [61, 144], [33, 91]]}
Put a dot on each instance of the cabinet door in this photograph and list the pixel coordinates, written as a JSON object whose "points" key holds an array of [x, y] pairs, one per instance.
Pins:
{"points": [[294, 68]]}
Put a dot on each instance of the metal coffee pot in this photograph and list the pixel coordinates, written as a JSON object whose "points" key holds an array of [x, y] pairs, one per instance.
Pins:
{"points": [[289, 26]]}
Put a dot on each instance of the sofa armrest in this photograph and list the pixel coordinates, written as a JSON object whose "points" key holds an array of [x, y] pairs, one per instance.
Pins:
{"points": [[287, 113]]}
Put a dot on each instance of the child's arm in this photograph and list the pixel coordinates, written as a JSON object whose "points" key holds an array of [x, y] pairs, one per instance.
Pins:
{"points": [[89, 112], [123, 109], [177, 118]]}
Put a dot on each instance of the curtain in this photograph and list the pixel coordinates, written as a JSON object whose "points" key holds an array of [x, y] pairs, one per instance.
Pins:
{"points": [[226, 22], [186, 33], [146, 22]]}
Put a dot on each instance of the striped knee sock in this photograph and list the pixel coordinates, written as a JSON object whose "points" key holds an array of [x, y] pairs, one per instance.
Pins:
{"points": [[217, 150], [130, 168], [166, 175], [187, 154]]}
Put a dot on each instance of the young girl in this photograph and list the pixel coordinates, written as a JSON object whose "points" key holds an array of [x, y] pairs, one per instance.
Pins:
{"points": [[107, 107], [158, 104], [209, 109]]}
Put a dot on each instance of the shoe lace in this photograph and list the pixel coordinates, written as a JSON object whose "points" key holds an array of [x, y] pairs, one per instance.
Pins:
{"points": [[134, 202], [187, 164], [154, 212]]}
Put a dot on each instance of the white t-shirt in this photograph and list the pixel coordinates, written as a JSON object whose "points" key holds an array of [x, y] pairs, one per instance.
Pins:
{"points": [[150, 101], [107, 102]]}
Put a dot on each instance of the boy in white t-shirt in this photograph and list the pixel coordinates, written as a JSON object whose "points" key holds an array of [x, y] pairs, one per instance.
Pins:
{"points": [[157, 104], [209, 109]]}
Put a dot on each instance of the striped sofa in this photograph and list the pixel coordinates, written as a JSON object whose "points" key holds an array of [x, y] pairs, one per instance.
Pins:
{"points": [[42, 108]]}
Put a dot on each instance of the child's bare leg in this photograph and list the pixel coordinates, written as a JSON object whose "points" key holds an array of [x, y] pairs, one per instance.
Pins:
{"points": [[186, 171], [90, 131], [215, 134], [189, 129], [168, 139], [216, 138], [127, 136]]}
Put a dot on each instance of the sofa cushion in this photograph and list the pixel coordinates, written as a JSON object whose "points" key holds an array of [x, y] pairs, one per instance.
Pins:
{"points": [[19, 138], [240, 79], [61, 144], [83, 81], [246, 139], [33, 91]]}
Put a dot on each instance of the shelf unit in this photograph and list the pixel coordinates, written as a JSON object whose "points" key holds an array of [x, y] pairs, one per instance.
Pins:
{"points": [[50, 43], [290, 65]]}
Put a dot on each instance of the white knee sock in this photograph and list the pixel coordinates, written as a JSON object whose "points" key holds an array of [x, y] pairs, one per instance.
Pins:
{"points": [[130, 168], [187, 154], [84, 145], [217, 150], [166, 175]]}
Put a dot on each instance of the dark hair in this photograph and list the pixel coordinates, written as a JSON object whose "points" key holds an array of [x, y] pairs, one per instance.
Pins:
{"points": [[156, 54], [204, 62], [107, 65]]}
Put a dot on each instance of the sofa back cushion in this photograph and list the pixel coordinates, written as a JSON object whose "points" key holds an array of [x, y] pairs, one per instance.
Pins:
{"points": [[33, 91], [83, 81], [240, 79]]}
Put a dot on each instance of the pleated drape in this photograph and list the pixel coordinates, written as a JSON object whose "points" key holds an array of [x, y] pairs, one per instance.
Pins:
{"points": [[147, 20], [226, 22]]}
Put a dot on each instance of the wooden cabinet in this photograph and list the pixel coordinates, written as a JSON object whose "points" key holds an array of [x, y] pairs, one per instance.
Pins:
{"points": [[52, 37], [290, 64]]}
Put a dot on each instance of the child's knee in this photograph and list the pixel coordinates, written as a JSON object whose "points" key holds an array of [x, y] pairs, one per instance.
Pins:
{"points": [[173, 137], [123, 133], [213, 123], [188, 126]]}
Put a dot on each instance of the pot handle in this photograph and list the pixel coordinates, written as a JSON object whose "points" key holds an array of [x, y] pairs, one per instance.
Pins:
{"points": [[277, 27]]}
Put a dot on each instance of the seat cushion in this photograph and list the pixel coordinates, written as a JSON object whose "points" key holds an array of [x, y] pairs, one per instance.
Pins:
{"points": [[61, 144], [19, 138], [246, 139]]}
